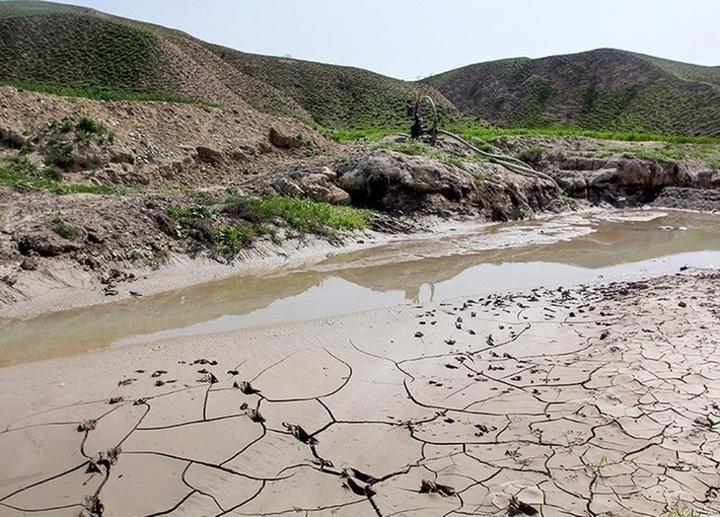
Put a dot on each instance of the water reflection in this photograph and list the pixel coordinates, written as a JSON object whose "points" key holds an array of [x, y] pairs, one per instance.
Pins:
{"points": [[521, 255]]}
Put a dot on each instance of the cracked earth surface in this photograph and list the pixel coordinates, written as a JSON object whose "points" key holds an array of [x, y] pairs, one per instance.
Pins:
{"points": [[585, 401]]}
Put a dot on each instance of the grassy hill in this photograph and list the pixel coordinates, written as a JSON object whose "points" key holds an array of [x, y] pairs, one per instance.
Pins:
{"points": [[79, 51], [75, 50], [602, 89]]}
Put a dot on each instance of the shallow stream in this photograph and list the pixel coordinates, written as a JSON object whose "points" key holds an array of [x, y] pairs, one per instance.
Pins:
{"points": [[552, 251]]}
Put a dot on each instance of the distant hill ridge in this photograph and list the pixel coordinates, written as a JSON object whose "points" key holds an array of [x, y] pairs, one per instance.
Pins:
{"points": [[59, 47], [599, 89]]}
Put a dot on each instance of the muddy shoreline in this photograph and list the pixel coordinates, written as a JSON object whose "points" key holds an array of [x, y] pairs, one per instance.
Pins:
{"points": [[562, 400], [65, 286]]}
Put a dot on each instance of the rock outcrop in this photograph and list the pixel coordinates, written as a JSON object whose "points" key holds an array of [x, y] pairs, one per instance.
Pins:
{"points": [[627, 180], [397, 182]]}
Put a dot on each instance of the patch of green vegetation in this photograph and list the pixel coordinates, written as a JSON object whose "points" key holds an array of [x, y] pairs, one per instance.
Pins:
{"points": [[105, 94], [230, 239], [307, 216], [481, 135], [64, 229], [22, 175], [58, 139], [486, 133], [354, 135], [201, 222]]}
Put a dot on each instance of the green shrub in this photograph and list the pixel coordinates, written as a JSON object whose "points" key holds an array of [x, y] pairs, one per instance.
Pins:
{"points": [[64, 229], [230, 239], [532, 155], [307, 216]]}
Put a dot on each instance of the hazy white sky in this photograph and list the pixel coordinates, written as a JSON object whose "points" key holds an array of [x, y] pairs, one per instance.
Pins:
{"points": [[411, 38]]}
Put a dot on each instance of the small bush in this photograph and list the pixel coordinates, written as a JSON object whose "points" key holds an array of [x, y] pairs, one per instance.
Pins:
{"points": [[231, 239], [185, 217], [59, 138], [64, 229]]}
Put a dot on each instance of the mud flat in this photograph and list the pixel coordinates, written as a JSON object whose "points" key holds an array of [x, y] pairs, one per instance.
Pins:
{"points": [[590, 400]]}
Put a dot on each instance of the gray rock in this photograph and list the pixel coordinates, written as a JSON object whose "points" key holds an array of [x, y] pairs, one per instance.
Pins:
{"points": [[385, 177], [285, 187], [283, 141]]}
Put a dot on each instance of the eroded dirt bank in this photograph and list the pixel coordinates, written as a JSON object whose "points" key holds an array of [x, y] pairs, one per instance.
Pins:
{"points": [[581, 401]]}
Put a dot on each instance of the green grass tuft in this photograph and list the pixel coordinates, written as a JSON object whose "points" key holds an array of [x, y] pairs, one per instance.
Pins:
{"points": [[64, 229], [307, 216], [21, 175]]}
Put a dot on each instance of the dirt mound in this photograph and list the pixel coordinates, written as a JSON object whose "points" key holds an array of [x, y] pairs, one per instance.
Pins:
{"points": [[158, 143]]}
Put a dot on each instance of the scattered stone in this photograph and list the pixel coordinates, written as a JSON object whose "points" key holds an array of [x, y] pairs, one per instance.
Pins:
{"points": [[357, 487], [92, 507], [431, 487], [247, 388], [255, 415], [300, 434], [517, 507], [28, 264], [208, 377], [87, 425]]}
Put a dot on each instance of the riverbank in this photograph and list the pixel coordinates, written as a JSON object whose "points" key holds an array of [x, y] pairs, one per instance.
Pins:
{"points": [[64, 285], [568, 400], [464, 259]]}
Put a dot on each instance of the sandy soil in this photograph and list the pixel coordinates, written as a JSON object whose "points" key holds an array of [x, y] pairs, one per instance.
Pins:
{"points": [[589, 401]]}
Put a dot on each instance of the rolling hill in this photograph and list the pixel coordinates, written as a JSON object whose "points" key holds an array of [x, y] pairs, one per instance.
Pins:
{"points": [[79, 51], [599, 89], [68, 49]]}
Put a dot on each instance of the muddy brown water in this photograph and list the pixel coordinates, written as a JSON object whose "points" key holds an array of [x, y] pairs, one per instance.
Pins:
{"points": [[560, 250]]}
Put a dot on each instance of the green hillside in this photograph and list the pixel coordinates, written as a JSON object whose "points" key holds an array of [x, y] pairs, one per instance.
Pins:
{"points": [[602, 89], [75, 50]]}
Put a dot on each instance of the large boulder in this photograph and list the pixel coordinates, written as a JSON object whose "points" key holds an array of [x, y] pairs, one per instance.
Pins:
{"points": [[624, 179], [328, 193], [286, 187], [395, 181]]}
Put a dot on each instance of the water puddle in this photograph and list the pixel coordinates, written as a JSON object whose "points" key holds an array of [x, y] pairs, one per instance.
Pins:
{"points": [[562, 250]]}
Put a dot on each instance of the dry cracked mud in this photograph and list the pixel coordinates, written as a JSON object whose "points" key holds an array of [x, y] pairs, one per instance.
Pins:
{"points": [[587, 401]]}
